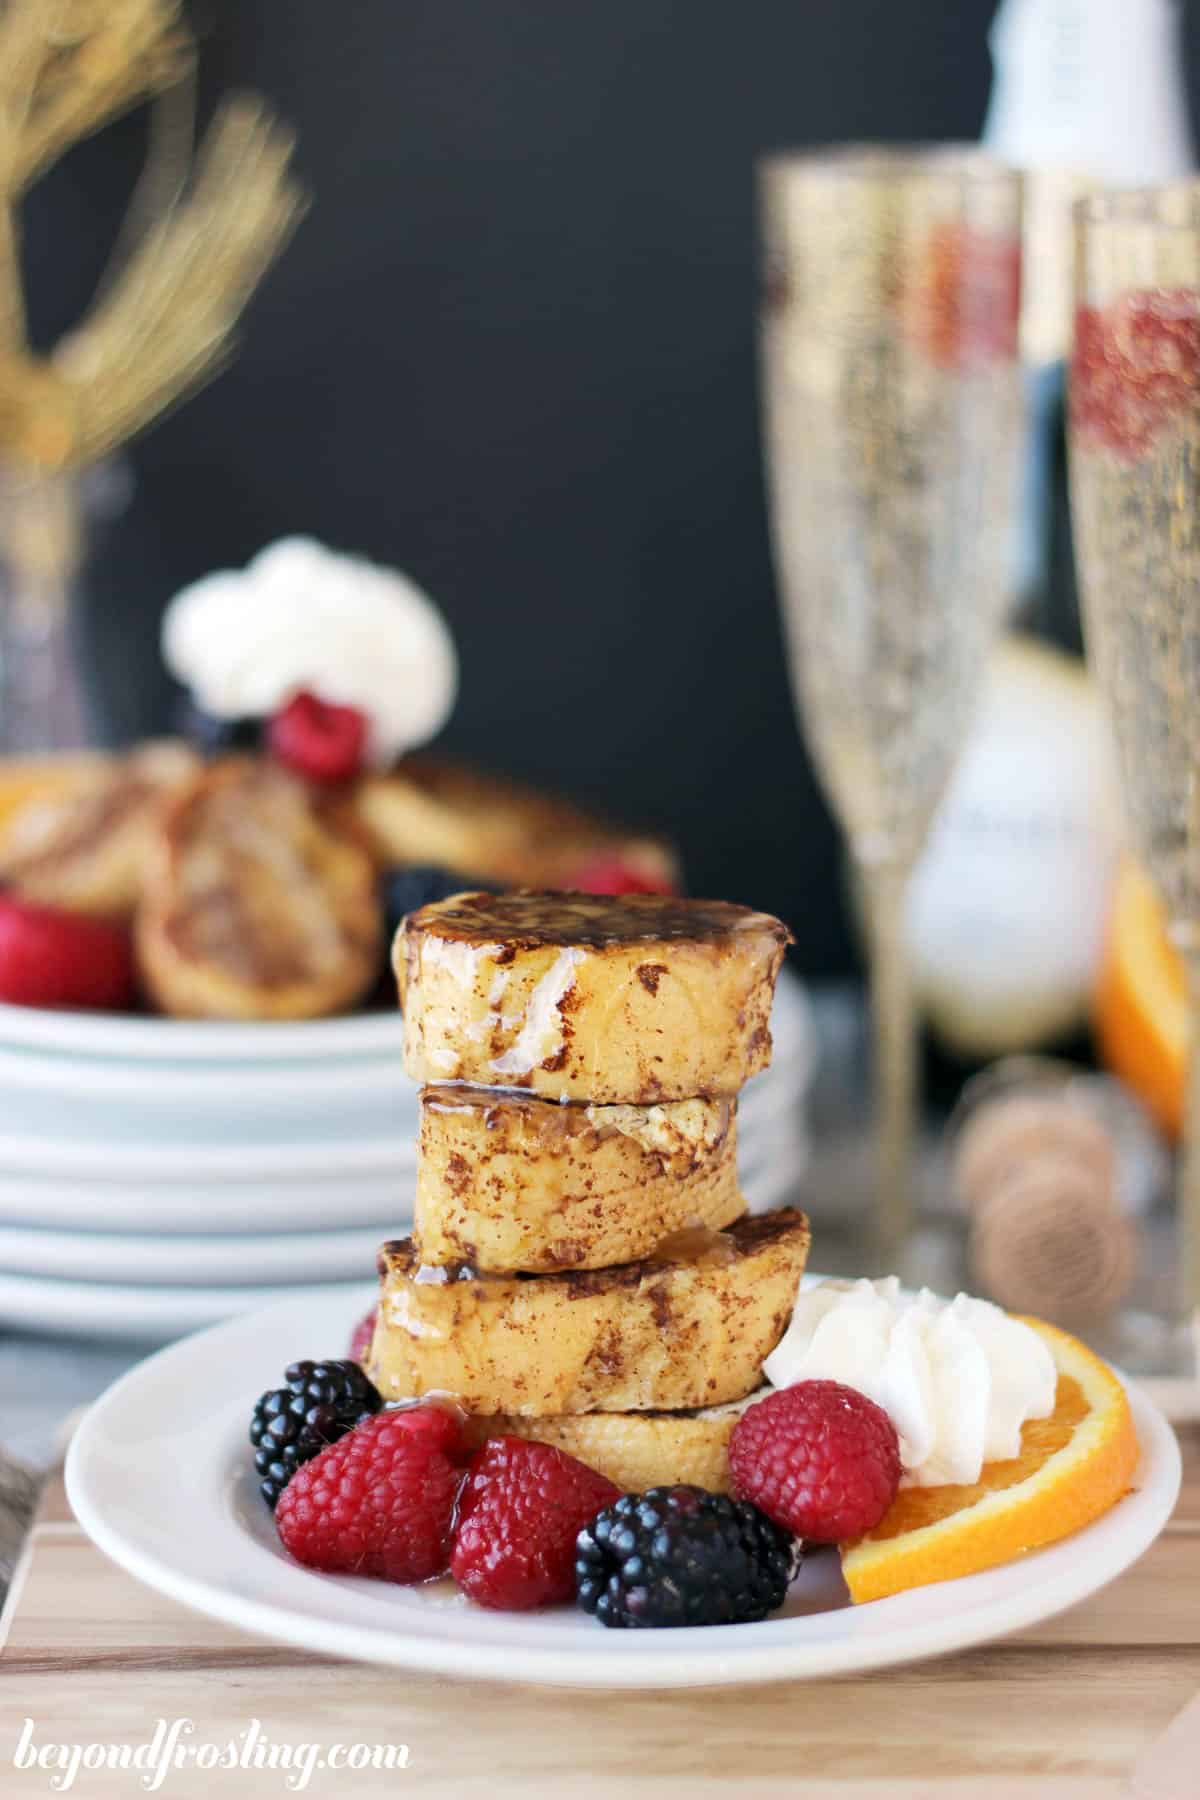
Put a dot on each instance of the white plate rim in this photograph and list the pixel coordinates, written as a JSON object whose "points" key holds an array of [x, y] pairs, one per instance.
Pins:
{"points": [[126, 1310], [246, 1163], [232, 1087], [188, 1260], [219, 1208], [128, 1036], [717, 1656]]}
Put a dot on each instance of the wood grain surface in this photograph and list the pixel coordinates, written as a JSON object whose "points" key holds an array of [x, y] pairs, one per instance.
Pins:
{"points": [[1068, 1711]]}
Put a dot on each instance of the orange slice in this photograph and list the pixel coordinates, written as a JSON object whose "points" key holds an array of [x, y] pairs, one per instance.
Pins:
{"points": [[1072, 1467], [1140, 1005]]}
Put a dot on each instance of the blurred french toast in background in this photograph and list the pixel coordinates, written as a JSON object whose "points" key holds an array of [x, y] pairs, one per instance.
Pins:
{"points": [[78, 832], [228, 868], [261, 862], [431, 810]]}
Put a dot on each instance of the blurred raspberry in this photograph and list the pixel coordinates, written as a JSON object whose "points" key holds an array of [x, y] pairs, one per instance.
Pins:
{"points": [[819, 1458], [360, 1337], [319, 740], [1134, 365], [54, 958], [961, 303], [520, 1512], [611, 874], [380, 1501]]}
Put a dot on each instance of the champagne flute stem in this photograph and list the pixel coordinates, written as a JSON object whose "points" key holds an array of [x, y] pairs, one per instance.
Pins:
{"points": [[1188, 1189], [895, 1044]]}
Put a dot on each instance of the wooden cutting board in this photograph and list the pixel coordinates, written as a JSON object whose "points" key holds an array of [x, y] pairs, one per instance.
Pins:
{"points": [[1064, 1712]]}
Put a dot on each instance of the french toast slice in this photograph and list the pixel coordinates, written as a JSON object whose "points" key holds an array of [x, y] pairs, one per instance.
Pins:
{"points": [[508, 1182], [83, 837], [259, 905], [627, 1001], [637, 1450], [687, 1327], [434, 810]]}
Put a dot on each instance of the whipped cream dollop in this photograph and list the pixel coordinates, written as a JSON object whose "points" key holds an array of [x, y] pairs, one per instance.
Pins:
{"points": [[958, 1378], [243, 641]]}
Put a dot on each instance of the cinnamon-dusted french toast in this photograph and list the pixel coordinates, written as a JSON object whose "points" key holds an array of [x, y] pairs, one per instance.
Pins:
{"points": [[260, 903], [432, 810], [628, 1000], [689, 1326], [637, 1450], [508, 1182], [84, 836]]}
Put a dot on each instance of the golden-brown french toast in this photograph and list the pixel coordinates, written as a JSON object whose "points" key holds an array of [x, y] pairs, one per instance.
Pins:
{"points": [[83, 837], [627, 1000], [689, 1326], [637, 1450], [508, 1182], [259, 904], [433, 810]]}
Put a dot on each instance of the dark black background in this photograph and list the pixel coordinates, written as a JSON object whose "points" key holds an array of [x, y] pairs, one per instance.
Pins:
{"points": [[512, 350]]}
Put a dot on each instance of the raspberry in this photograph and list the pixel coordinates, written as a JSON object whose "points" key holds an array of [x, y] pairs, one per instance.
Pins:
{"points": [[381, 1500], [962, 305], [1134, 364], [360, 1337], [819, 1458], [611, 874], [522, 1507], [54, 958], [317, 739]]}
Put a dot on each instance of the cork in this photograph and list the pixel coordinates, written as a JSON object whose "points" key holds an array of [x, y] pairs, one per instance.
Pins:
{"points": [[1048, 1239]]}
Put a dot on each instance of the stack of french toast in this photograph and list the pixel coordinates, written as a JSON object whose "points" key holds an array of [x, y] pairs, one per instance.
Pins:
{"points": [[583, 1269]]}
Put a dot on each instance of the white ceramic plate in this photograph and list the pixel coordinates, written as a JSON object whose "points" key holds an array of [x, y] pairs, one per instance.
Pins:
{"points": [[170, 1118], [337, 1198], [188, 1261], [199, 1087], [159, 1475], [94, 1309], [109, 1035], [220, 1157]]}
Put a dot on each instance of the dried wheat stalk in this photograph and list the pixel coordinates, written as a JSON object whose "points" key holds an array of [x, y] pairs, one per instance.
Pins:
{"points": [[165, 322]]}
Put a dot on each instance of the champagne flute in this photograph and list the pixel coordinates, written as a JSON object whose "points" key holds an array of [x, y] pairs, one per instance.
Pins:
{"points": [[893, 406], [1134, 434]]}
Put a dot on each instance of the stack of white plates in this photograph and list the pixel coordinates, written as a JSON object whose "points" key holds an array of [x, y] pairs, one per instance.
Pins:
{"points": [[156, 1175]]}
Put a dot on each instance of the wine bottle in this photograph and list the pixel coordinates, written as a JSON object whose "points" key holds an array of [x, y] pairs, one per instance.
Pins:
{"points": [[1009, 900]]}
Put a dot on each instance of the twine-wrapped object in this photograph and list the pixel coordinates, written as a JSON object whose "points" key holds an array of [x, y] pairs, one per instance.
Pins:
{"points": [[1047, 1235], [1048, 1241]]}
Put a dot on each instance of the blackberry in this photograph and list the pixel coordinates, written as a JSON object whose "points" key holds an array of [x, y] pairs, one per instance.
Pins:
{"points": [[410, 885], [682, 1556], [321, 1403]]}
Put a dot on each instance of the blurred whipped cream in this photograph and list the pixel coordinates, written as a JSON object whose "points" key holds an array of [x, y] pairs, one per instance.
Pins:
{"points": [[243, 641], [958, 1378]]}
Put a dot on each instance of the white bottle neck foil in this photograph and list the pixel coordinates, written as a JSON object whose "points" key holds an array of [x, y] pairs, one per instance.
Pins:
{"points": [[1084, 92], [1091, 85]]}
